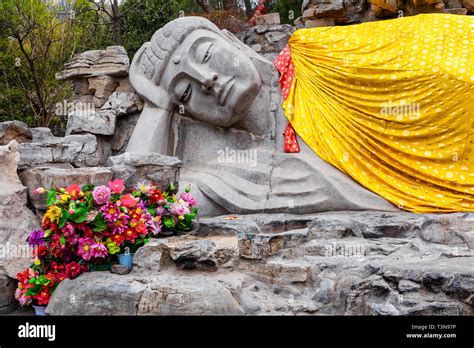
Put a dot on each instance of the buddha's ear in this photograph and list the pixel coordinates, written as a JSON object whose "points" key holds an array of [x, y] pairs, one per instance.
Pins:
{"points": [[151, 93]]}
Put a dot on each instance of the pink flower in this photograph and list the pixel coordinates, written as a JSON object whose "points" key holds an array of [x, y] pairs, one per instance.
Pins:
{"points": [[128, 201], [179, 209], [187, 197], [116, 186], [111, 211], [101, 194], [99, 250], [84, 248], [39, 191]]}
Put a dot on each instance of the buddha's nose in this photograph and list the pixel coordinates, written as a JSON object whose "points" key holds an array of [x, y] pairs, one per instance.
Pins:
{"points": [[209, 81]]}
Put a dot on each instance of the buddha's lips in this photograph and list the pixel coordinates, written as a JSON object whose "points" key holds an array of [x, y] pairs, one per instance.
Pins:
{"points": [[226, 91]]}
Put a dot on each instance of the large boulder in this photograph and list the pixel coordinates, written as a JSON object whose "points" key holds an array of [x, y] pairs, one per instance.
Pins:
{"points": [[152, 167], [56, 176], [81, 150], [112, 61], [14, 130], [16, 219]]}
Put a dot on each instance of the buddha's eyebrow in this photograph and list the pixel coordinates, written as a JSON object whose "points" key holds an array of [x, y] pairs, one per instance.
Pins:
{"points": [[199, 41]]}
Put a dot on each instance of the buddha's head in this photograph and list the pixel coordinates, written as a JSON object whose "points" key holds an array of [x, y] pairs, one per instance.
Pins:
{"points": [[191, 64]]}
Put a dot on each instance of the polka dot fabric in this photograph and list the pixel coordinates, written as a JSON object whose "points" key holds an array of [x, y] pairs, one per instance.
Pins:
{"points": [[285, 66], [390, 103]]}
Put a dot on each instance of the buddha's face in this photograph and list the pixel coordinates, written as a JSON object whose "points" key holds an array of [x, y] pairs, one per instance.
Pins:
{"points": [[211, 78]]}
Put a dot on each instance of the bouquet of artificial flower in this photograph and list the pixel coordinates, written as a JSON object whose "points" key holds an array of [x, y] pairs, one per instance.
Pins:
{"points": [[83, 228]]}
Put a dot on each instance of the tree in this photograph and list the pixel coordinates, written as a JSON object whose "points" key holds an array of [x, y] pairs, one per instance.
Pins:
{"points": [[205, 5], [36, 40], [112, 10]]}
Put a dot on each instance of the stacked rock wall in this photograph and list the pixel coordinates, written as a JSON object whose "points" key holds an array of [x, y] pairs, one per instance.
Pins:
{"points": [[321, 13]]}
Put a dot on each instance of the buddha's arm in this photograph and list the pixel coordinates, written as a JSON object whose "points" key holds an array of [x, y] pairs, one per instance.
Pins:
{"points": [[151, 134]]}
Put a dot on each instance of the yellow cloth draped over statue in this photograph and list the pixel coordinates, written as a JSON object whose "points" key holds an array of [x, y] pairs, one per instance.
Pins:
{"points": [[391, 103]]}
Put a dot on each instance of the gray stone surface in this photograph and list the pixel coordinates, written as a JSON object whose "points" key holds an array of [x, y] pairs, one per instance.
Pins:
{"points": [[152, 167], [123, 131], [14, 130], [112, 61], [123, 103], [7, 294], [81, 150], [16, 219], [95, 122], [56, 176], [321, 274]]}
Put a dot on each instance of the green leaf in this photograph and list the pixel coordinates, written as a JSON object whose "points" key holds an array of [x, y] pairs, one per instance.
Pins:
{"points": [[51, 198], [80, 215], [89, 200], [62, 240], [99, 223], [87, 188], [168, 221], [64, 217]]}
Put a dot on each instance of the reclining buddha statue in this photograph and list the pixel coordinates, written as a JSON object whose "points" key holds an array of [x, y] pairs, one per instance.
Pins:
{"points": [[382, 114]]}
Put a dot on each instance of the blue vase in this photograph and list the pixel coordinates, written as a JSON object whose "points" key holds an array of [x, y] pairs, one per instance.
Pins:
{"points": [[40, 311], [125, 260]]}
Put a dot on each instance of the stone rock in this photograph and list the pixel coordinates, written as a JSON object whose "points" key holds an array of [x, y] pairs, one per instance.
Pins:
{"points": [[152, 256], [102, 122], [124, 86], [462, 288], [456, 11], [384, 8], [325, 292], [119, 269], [14, 130], [277, 271], [101, 88], [17, 219], [187, 252], [323, 22], [112, 61], [41, 134], [270, 18], [408, 285], [195, 255], [152, 167], [80, 150], [123, 131], [123, 103], [7, 294], [267, 40], [97, 293], [81, 86], [469, 4], [54, 175], [188, 295]]}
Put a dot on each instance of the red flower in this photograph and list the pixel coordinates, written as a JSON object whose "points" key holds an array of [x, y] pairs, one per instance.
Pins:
{"points": [[73, 270], [40, 251], [116, 186], [156, 197], [73, 190], [128, 201], [130, 235], [117, 239], [43, 297]]}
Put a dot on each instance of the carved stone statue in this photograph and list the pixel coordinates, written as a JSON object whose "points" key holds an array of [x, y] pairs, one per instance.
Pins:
{"points": [[215, 103]]}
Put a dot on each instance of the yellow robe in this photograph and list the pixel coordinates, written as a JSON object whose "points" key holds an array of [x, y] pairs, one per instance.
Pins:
{"points": [[391, 103]]}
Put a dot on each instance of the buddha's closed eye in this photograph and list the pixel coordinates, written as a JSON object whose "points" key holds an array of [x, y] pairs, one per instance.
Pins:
{"points": [[186, 94], [205, 51]]}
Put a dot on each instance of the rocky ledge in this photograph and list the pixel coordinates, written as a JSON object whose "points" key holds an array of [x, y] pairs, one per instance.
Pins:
{"points": [[343, 263]]}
